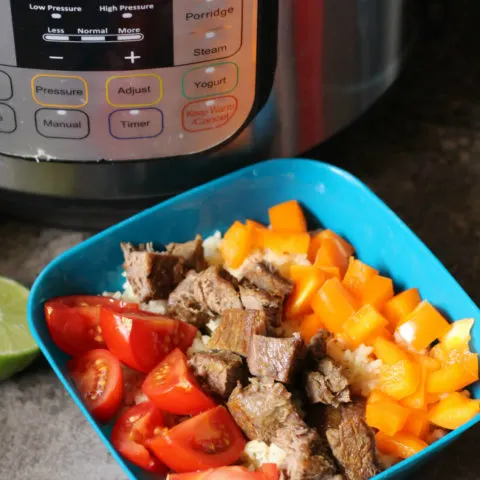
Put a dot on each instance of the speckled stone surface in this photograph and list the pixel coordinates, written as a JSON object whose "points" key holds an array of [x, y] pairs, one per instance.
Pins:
{"points": [[419, 150]]}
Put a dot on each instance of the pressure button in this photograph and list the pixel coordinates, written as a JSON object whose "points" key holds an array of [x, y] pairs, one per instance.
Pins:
{"points": [[60, 91]]}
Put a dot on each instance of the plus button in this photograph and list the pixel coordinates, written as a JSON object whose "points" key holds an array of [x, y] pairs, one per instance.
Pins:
{"points": [[132, 57]]}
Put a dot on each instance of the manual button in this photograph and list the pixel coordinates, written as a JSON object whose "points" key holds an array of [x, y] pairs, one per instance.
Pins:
{"points": [[136, 124], [52, 123], [60, 91], [142, 90]]}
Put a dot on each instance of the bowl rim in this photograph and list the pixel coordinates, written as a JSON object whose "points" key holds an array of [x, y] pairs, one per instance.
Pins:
{"points": [[283, 164]]}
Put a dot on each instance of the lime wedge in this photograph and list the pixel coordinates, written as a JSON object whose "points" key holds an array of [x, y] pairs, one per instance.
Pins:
{"points": [[17, 347]]}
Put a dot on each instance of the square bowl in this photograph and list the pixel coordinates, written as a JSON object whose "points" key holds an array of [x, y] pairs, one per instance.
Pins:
{"points": [[331, 197]]}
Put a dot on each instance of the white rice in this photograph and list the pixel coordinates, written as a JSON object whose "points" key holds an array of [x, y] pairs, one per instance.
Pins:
{"points": [[360, 367], [211, 249], [256, 453]]}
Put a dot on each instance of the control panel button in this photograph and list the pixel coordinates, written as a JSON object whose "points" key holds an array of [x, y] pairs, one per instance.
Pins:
{"points": [[136, 124], [8, 122], [53, 123], [210, 80], [60, 91], [6, 90], [204, 115], [205, 30], [142, 90]]}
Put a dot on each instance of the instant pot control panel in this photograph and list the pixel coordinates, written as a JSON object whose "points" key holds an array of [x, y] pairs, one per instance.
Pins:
{"points": [[123, 80]]}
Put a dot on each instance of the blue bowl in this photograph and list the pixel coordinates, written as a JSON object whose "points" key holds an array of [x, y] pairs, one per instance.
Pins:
{"points": [[332, 197]]}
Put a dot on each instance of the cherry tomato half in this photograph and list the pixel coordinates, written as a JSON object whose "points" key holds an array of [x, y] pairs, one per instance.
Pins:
{"points": [[268, 471], [133, 429], [211, 439], [74, 321], [141, 339], [98, 377], [173, 388]]}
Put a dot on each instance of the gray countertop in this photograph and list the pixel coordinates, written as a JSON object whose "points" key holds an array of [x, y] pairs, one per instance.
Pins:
{"points": [[419, 149]]}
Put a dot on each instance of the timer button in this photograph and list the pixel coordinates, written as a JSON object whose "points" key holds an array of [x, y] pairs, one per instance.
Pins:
{"points": [[142, 90], [210, 80], [53, 123], [136, 124], [6, 90], [8, 121], [60, 91]]}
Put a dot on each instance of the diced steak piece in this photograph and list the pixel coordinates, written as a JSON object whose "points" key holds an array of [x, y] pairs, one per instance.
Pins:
{"points": [[218, 372], [276, 358], [152, 275], [328, 384], [264, 411], [202, 296], [236, 329], [218, 290], [317, 348], [308, 457], [262, 408], [254, 298], [266, 277], [351, 440], [191, 252], [184, 302]]}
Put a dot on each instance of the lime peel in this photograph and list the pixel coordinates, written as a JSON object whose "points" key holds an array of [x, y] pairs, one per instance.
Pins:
{"points": [[17, 346]]}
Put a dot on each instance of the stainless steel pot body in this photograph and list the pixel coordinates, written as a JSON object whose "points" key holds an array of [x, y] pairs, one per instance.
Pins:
{"points": [[291, 74]]}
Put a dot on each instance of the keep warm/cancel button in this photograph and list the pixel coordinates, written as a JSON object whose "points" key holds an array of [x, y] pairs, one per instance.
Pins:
{"points": [[208, 114]]}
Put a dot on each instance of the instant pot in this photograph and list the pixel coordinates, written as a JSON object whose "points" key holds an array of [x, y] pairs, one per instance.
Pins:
{"points": [[109, 106]]}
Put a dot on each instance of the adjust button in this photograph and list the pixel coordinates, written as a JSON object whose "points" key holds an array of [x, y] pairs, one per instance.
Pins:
{"points": [[52, 123], [6, 90], [136, 124], [142, 90], [8, 122], [204, 115], [60, 91], [211, 80]]}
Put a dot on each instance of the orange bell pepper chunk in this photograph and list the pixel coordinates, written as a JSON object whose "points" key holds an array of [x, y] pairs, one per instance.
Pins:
{"points": [[386, 415], [236, 245], [330, 271], [256, 232], [419, 399], [453, 411], [342, 247], [287, 217], [458, 335], [424, 325], [299, 301], [454, 377], [401, 305], [376, 291], [400, 379], [364, 324], [284, 242], [357, 275], [388, 352], [378, 396], [310, 325], [402, 445], [333, 304], [417, 424], [299, 272], [331, 255]]}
